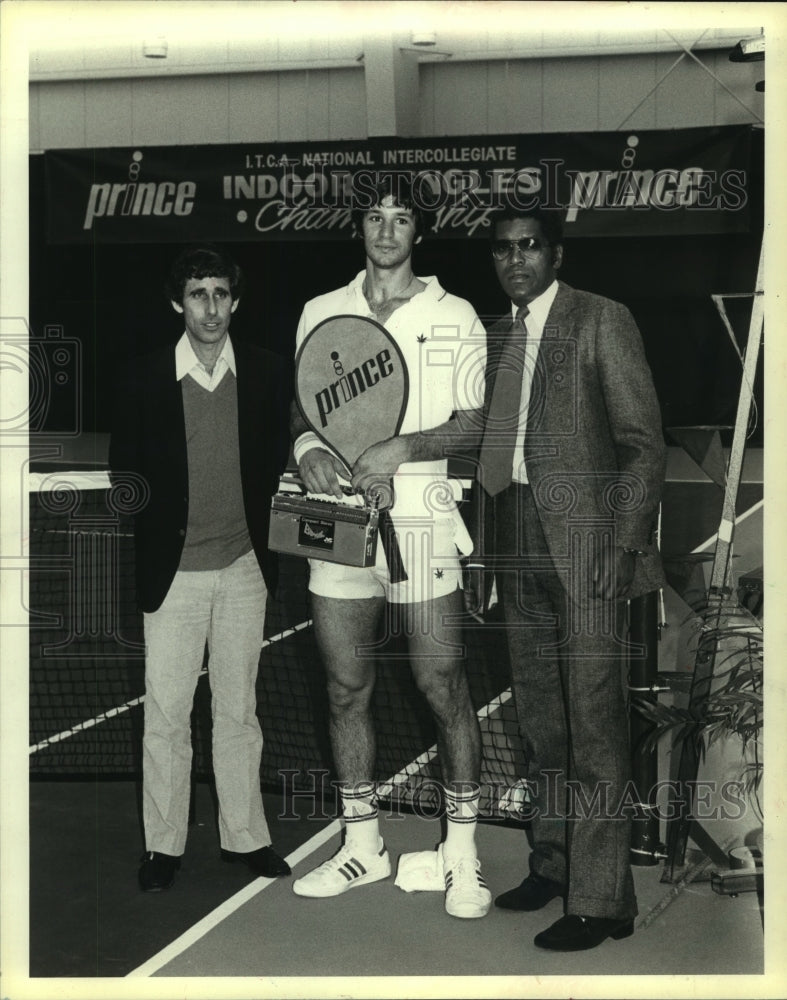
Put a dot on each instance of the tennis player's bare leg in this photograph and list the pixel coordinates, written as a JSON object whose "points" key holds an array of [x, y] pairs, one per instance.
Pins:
{"points": [[440, 671], [340, 627]]}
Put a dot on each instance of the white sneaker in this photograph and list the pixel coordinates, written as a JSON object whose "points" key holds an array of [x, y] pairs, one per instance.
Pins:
{"points": [[466, 893], [345, 870]]}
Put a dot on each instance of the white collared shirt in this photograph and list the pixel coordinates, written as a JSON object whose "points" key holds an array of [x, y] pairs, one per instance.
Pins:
{"points": [[459, 342], [443, 343], [187, 363], [535, 322]]}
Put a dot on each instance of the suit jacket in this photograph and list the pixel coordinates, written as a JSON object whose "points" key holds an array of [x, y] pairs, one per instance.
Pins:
{"points": [[149, 440], [594, 447]]}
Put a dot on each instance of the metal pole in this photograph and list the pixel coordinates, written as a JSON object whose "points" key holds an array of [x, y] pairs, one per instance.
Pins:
{"points": [[719, 581], [683, 824]]}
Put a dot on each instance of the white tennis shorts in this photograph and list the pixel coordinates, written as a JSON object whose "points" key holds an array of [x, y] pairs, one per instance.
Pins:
{"points": [[431, 561]]}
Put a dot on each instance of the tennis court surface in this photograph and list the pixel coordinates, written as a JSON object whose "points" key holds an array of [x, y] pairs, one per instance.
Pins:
{"points": [[87, 916]]}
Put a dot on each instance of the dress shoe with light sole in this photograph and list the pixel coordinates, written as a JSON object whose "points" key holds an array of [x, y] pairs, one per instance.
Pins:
{"points": [[574, 933], [532, 893], [264, 862], [157, 871]]}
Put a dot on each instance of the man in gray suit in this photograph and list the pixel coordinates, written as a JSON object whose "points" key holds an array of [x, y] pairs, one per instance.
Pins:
{"points": [[572, 465]]}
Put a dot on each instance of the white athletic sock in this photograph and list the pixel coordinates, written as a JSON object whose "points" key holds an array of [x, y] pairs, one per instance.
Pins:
{"points": [[359, 808], [461, 813]]}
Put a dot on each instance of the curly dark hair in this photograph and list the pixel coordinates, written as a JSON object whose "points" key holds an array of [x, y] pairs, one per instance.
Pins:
{"points": [[203, 261], [400, 188]]}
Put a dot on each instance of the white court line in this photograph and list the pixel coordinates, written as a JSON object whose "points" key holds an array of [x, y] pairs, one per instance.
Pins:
{"points": [[112, 712], [226, 909]]}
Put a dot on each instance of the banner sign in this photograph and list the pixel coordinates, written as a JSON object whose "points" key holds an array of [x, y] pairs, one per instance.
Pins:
{"points": [[668, 182]]}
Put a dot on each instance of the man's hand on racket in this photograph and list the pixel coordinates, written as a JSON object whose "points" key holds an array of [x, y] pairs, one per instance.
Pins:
{"points": [[378, 464], [320, 470]]}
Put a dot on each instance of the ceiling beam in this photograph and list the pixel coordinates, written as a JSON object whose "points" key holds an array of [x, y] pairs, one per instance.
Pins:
{"points": [[391, 77]]}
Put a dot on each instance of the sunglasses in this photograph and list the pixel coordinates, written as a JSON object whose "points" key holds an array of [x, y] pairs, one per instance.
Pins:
{"points": [[528, 245]]}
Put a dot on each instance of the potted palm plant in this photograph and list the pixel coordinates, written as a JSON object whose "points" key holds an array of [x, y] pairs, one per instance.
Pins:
{"points": [[727, 706]]}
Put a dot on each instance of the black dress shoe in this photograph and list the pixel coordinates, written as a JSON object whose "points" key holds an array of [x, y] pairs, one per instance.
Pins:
{"points": [[157, 871], [264, 861], [531, 894], [572, 933]]}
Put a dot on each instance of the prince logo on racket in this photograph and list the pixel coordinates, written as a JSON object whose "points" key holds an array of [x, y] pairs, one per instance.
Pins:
{"points": [[382, 423], [190, 419], [353, 383]]}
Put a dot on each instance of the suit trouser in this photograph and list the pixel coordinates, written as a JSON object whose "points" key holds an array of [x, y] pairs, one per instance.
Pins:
{"points": [[226, 608], [567, 663]]}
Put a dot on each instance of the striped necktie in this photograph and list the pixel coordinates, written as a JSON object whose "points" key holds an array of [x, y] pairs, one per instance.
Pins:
{"points": [[502, 420]]}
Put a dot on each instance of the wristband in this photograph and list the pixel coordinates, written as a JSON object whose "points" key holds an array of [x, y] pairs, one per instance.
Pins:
{"points": [[303, 443]]}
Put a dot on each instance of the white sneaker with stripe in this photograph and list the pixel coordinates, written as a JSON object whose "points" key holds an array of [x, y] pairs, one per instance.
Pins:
{"points": [[345, 870], [466, 892]]}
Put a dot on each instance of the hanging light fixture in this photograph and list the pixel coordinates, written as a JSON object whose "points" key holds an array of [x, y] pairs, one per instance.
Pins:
{"points": [[749, 50], [155, 48], [424, 39]]}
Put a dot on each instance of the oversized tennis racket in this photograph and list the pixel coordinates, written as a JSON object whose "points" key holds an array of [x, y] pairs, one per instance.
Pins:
{"points": [[351, 386]]}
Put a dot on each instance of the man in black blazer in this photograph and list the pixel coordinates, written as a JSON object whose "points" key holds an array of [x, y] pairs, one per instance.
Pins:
{"points": [[572, 465], [201, 427]]}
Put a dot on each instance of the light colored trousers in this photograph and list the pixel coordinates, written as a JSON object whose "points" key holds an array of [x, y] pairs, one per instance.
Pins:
{"points": [[226, 608]]}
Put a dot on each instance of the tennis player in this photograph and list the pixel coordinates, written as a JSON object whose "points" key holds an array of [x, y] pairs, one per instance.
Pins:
{"points": [[443, 344]]}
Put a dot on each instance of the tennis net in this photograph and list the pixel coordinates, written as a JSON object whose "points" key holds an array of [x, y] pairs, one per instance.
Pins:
{"points": [[87, 669]]}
